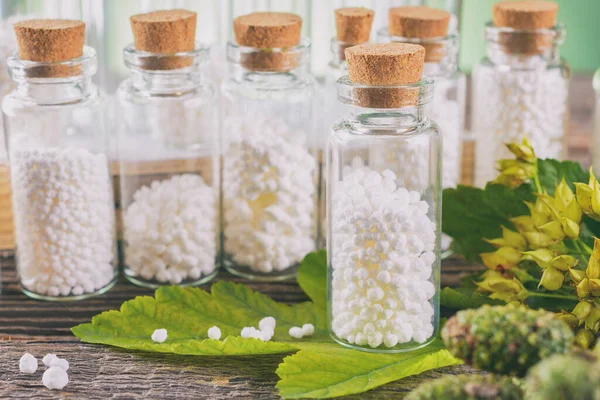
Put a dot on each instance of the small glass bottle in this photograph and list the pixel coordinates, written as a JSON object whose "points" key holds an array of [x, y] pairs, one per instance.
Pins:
{"points": [[270, 168], [57, 148], [430, 28], [521, 88], [353, 26], [168, 155], [384, 214], [596, 132]]}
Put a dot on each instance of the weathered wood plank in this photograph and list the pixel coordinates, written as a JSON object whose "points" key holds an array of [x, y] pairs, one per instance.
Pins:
{"points": [[100, 373]]}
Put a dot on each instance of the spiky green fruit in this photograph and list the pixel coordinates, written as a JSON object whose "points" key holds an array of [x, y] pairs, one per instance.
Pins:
{"points": [[468, 387], [506, 340], [565, 376]]}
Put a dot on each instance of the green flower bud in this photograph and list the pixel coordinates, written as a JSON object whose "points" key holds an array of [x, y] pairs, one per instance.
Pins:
{"points": [[552, 279], [577, 275], [592, 321], [583, 288], [539, 212], [584, 197], [523, 151], [564, 262], [509, 239], [593, 267], [524, 223], [542, 257], [501, 287], [584, 338], [569, 319], [563, 194], [573, 211], [505, 257], [538, 240], [554, 230], [582, 309], [570, 228], [594, 286]]}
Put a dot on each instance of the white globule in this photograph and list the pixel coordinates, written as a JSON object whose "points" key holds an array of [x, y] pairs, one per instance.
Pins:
{"points": [[28, 364], [446, 113], [383, 254], [169, 230], [159, 335], [510, 104], [64, 220], [214, 333], [268, 194], [55, 378]]}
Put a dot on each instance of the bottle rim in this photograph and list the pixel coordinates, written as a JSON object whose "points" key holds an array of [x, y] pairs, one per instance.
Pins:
{"points": [[84, 66], [143, 60], [421, 92], [286, 58], [495, 33]]}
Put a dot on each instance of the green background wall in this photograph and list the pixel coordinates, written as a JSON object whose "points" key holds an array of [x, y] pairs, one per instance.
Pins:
{"points": [[581, 47]]}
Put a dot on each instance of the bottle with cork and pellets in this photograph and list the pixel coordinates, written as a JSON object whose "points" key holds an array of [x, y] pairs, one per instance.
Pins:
{"points": [[58, 154], [384, 215], [168, 154], [353, 27], [269, 155], [521, 88], [432, 28]]}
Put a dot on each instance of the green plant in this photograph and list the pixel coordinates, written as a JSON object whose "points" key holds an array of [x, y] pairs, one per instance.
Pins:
{"points": [[468, 387]]}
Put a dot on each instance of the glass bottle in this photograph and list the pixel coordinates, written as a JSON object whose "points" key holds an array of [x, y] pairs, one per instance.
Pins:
{"points": [[384, 219], [61, 183], [269, 161], [520, 89], [447, 107], [168, 169]]}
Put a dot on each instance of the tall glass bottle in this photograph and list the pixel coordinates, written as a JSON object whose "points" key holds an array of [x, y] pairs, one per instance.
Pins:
{"points": [[269, 158], [57, 148], [168, 155], [521, 87], [384, 214], [353, 26], [429, 27]]}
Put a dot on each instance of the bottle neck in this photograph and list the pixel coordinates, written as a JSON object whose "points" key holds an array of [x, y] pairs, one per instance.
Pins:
{"points": [[165, 82], [52, 91], [386, 121]]}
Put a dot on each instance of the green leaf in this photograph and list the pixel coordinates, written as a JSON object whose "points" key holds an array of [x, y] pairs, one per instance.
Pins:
{"points": [[335, 371], [462, 298], [550, 173], [472, 214], [187, 313], [312, 277]]}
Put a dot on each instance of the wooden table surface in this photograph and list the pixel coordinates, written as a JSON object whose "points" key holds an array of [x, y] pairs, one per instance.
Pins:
{"points": [[96, 372]]}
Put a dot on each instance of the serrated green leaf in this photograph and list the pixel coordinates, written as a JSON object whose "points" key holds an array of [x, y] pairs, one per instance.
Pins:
{"points": [[462, 298], [550, 173], [187, 313], [312, 277], [335, 371]]}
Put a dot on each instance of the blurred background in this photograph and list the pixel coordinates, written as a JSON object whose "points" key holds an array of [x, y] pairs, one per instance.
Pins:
{"points": [[108, 27]]}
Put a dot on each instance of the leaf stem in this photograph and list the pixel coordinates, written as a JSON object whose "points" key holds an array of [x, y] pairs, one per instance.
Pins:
{"points": [[551, 296]]}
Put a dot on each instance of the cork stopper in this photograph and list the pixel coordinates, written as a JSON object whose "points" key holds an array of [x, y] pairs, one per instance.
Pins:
{"points": [[266, 31], [165, 32], [531, 19], [353, 24], [383, 65], [50, 41], [421, 23]]}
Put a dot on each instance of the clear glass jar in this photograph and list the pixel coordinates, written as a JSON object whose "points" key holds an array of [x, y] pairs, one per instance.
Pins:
{"points": [[447, 108], [518, 92], [270, 169], [384, 220], [168, 156], [61, 183], [596, 133]]}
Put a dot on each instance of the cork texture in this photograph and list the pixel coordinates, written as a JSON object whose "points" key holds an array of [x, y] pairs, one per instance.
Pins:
{"points": [[165, 32], [50, 41], [418, 22], [533, 17], [525, 14], [268, 30], [353, 24], [385, 64]]}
